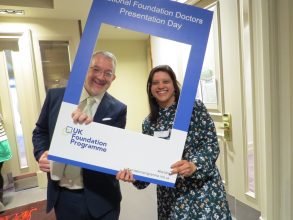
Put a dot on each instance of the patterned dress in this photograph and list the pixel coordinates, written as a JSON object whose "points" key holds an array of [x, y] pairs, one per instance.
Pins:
{"points": [[201, 196]]}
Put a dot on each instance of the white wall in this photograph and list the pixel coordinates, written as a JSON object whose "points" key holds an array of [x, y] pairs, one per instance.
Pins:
{"points": [[285, 103], [172, 53], [131, 77]]}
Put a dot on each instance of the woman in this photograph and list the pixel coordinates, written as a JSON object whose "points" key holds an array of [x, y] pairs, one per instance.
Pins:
{"points": [[199, 192]]}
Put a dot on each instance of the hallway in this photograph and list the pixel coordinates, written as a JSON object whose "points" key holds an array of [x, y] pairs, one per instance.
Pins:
{"points": [[251, 82]]}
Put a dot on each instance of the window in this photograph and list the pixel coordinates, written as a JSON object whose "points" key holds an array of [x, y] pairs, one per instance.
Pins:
{"points": [[55, 63]]}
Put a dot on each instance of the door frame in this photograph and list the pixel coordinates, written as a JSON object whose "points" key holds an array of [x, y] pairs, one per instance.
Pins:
{"points": [[24, 67], [264, 49], [273, 65]]}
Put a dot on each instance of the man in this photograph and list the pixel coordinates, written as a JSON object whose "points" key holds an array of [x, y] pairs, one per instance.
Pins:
{"points": [[90, 194]]}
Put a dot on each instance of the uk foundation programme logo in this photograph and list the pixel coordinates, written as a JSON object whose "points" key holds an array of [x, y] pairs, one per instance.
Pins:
{"points": [[70, 130], [79, 139], [67, 130]]}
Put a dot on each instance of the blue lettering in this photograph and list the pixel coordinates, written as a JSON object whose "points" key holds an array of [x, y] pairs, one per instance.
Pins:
{"points": [[72, 141], [77, 131]]}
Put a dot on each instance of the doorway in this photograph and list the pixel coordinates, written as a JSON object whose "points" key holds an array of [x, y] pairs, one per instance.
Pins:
{"points": [[18, 106]]}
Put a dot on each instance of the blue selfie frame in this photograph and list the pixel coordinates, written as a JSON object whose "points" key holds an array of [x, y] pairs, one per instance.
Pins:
{"points": [[194, 34], [162, 18]]}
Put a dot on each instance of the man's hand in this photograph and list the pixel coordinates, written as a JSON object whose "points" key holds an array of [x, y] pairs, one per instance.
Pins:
{"points": [[183, 168], [81, 118], [44, 163], [125, 175]]}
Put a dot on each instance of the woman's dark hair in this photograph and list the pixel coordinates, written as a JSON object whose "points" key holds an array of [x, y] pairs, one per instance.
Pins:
{"points": [[154, 107]]}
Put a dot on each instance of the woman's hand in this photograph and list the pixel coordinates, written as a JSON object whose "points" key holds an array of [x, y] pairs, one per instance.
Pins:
{"points": [[183, 168], [81, 118], [125, 175]]}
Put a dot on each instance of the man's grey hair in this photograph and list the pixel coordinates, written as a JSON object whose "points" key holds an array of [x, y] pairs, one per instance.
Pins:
{"points": [[108, 55]]}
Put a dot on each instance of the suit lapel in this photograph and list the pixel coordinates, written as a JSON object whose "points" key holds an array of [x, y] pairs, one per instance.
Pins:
{"points": [[103, 108]]}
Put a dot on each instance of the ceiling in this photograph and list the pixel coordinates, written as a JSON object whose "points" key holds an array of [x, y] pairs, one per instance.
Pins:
{"points": [[66, 9], [57, 9]]}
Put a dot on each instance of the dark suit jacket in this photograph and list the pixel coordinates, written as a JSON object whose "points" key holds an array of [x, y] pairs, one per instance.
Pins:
{"points": [[102, 191]]}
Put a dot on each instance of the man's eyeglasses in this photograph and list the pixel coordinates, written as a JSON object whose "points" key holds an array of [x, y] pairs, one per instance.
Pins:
{"points": [[98, 71]]}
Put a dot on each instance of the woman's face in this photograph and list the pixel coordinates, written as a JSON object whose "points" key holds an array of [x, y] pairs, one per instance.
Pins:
{"points": [[162, 89]]}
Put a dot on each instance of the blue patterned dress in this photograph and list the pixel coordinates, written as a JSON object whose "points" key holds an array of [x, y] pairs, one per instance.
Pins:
{"points": [[201, 196]]}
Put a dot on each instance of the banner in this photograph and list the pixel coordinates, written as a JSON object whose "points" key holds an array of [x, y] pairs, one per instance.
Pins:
{"points": [[113, 149]]}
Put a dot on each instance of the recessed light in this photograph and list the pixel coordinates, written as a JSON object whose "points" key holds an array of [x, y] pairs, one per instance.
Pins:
{"points": [[11, 12]]}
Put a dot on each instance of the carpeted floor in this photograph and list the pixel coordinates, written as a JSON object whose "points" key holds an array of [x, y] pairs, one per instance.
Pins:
{"points": [[33, 211]]}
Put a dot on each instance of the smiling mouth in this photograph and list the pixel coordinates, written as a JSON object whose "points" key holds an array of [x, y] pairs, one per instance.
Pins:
{"points": [[162, 92], [99, 83]]}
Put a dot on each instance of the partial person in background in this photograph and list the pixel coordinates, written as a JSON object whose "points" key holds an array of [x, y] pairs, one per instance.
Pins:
{"points": [[81, 193], [5, 154], [199, 191], [1, 188]]}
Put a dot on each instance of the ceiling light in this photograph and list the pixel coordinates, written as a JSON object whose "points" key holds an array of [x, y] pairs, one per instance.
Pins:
{"points": [[11, 12]]}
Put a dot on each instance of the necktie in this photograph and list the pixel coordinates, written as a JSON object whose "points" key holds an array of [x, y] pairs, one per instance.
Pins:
{"points": [[90, 101], [72, 172]]}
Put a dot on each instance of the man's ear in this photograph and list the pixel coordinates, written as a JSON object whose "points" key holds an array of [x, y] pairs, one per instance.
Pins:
{"points": [[114, 77]]}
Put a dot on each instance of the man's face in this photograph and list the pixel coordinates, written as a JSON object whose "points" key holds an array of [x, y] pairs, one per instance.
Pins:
{"points": [[100, 75]]}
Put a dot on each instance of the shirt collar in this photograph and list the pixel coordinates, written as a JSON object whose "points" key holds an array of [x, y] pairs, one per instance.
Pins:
{"points": [[85, 95]]}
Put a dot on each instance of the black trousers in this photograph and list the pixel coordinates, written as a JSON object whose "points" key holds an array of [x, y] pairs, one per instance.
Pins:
{"points": [[1, 183], [72, 205]]}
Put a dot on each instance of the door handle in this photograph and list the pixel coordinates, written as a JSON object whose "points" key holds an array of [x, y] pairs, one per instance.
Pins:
{"points": [[227, 126]]}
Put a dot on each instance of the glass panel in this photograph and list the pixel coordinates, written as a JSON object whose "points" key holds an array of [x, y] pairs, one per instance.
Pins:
{"points": [[55, 63], [248, 91], [207, 88], [15, 110]]}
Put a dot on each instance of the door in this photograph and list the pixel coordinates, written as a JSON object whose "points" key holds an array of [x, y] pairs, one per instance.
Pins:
{"points": [[18, 101], [227, 89]]}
